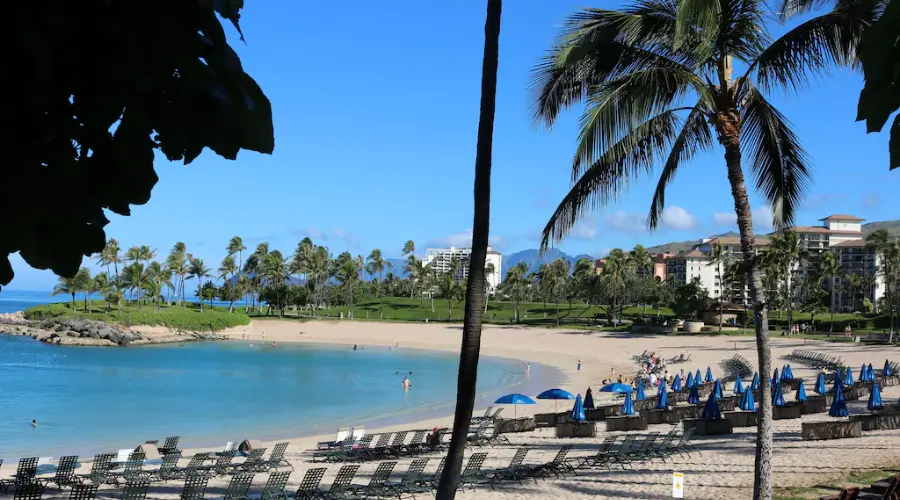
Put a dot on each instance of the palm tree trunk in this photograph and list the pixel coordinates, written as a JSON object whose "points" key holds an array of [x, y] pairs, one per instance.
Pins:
{"points": [[471, 341], [200, 288], [730, 137], [73, 303]]}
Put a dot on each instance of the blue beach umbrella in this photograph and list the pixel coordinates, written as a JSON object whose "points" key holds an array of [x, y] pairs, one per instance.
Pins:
{"points": [[839, 403], [698, 379], [747, 402], [588, 399], [578, 410], [628, 406], [711, 410], [871, 373], [820, 384], [875, 398], [515, 400], [660, 387], [775, 379], [801, 391], [709, 377], [662, 402], [694, 396], [718, 388], [790, 371], [676, 384], [863, 374], [848, 380], [556, 395], [887, 371], [738, 386], [784, 372], [639, 394], [617, 387], [777, 395], [754, 386], [689, 382]]}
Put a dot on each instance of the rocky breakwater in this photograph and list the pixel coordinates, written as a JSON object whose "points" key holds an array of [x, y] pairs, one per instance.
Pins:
{"points": [[85, 332]]}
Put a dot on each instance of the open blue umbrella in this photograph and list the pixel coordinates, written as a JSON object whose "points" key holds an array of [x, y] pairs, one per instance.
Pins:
{"points": [[617, 387], [556, 395], [709, 377], [820, 384], [698, 379], [689, 382], [639, 395], [578, 410], [801, 391], [887, 371], [747, 402], [628, 406], [588, 399], [839, 403], [711, 410], [662, 401], [871, 373], [775, 379], [515, 400], [777, 395], [738, 386], [863, 374], [718, 388], [875, 398], [676, 384], [694, 396], [848, 380], [754, 386]]}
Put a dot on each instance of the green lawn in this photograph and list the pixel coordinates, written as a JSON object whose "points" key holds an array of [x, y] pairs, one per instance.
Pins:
{"points": [[834, 486], [211, 319]]}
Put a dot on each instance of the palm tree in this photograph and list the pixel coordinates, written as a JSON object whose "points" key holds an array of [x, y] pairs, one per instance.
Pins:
{"points": [[133, 254], [888, 267], [227, 270], [637, 68], [146, 254], [158, 277], [197, 269], [409, 248], [488, 271], [85, 285], [719, 257], [375, 266], [790, 253], [642, 263], [559, 276], [68, 286], [830, 269], [236, 246], [471, 341], [542, 281], [133, 278], [108, 256], [105, 286], [177, 262], [449, 289], [514, 285]]}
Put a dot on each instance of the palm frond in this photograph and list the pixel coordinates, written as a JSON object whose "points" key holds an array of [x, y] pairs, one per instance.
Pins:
{"points": [[612, 173], [815, 46], [779, 163], [695, 136], [698, 18]]}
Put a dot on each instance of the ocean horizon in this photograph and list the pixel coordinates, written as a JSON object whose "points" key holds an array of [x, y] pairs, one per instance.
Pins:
{"points": [[18, 300]]}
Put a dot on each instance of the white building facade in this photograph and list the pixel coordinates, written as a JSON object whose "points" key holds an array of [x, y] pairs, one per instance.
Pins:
{"points": [[440, 258]]}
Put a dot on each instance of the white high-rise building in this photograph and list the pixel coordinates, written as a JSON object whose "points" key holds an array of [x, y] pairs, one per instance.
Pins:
{"points": [[440, 258]]}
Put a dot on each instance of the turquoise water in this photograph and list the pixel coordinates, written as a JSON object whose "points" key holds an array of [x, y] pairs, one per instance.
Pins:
{"points": [[90, 400], [19, 300]]}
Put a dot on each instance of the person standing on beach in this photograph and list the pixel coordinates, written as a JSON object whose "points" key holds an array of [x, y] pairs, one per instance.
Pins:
{"points": [[579, 365], [527, 369], [264, 336]]}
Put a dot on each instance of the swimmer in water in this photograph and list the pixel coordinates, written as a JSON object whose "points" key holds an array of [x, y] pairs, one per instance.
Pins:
{"points": [[273, 344], [354, 347], [406, 384], [34, 423]]}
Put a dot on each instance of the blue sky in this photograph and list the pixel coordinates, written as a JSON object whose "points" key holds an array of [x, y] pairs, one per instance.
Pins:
{"points": [[376, 109]]}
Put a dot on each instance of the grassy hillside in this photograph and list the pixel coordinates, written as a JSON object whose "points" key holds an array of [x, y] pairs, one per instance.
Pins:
{"points": [[211, 319]]}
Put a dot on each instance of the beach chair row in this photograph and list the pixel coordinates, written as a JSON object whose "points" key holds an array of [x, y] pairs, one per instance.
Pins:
{"points": [[814, 359]]}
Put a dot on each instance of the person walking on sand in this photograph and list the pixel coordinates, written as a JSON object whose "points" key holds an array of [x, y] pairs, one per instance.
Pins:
{"points": [[579, 366], [527, 369], [264, 336]]}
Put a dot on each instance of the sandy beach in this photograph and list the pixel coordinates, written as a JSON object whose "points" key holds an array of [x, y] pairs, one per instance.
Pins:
{"points": [[725, 469]]}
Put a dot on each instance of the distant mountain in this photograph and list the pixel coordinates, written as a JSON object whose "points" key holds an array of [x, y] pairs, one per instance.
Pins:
{"points": [[534, 260], [892, 226]]}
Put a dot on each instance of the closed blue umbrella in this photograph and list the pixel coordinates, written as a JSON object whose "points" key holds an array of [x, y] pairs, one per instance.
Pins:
{"points": [[887, 371], [801, 391], [718, 388], [747, 402], [863, 374], [777, 395], [628, 406], [711, 410], [875, 398], [820, 384], [689, 382], [790, 371], [588, 399], [738, 386], [754, 386], [662, 401], [639, 394], [775, 379], [578, 410], [709, 377], [784, 372], [515, 400], [839, 403], [871, 373], [676, 384], [848, 380], [694, 396], [660, 387], [698, 379]]}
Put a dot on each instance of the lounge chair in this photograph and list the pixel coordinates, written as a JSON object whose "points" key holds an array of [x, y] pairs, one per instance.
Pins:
{"points": [[195, 466], [435, 478], [65, 472], [170, 446], [25, 474], [380, 448], [343, 433], [642, 451], [335, 453], [83, 492], [254, 461], [357, 433], [275, 485], [135, 489], [412, 481], [512, 472], [99, 473], [168, 470], [152, 441], [472, 473], [30, 491], [415, 442], [664, 447], [221, 466], [230, 447], [620, 456], [239, 486], [481, 418], [685, 446], [309, 486], [134, 469], [194, 487], [276, 458], [377, 482], [342, 481], [397, 444], [558, 466]]}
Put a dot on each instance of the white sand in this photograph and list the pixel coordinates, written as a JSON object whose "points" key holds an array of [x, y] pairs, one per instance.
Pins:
{"points": [[725, 469]]}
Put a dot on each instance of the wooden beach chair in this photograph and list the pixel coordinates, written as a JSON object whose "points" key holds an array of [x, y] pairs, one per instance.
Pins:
{"points": [[239, 486], [275, 485], [309, 485]]}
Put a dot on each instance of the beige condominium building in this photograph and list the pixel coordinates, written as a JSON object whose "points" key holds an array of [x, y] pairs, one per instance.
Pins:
{"points": [[440, 258], [839, 233]]}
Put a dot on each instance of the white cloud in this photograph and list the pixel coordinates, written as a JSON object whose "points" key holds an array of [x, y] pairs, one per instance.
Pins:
{"points": [[762, 218], [678, 218], [585, 229], [334, 234], [462, 239], [626, 221]]}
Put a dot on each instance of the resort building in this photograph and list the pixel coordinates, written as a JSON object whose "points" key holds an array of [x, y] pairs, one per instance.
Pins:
{"points": [[440, 259]]}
